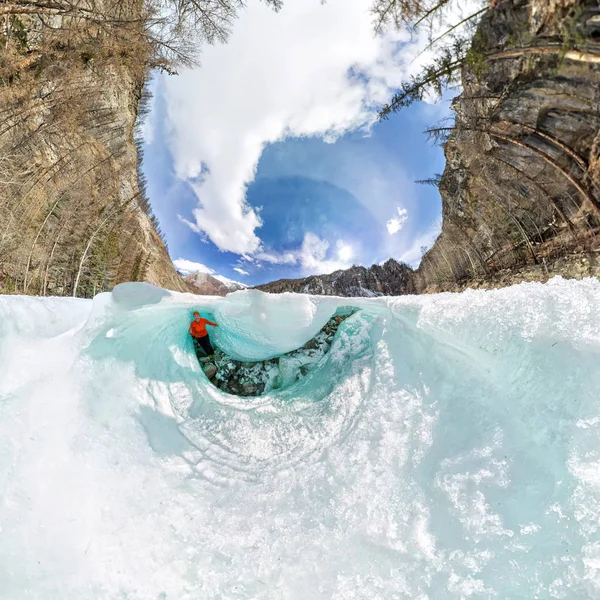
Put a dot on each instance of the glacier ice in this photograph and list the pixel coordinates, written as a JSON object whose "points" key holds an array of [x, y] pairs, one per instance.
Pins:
{"points": [[446, 447]]}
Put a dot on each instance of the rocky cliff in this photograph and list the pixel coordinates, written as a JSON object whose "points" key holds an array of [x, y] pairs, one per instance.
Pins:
{"points": [[521, 186], [73, 218]]}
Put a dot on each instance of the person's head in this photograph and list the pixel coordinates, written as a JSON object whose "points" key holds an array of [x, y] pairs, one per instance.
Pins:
{"points": [[196, 316]]}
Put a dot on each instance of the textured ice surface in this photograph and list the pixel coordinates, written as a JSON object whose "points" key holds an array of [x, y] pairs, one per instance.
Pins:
{"points": [[446, 447]]}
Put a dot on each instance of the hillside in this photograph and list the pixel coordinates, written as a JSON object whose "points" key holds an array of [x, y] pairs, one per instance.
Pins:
{"points": [[520, 191], [73, 217]]}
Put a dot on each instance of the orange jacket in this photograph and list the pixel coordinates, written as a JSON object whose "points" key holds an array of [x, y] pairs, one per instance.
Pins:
{"points": [[198, 328]]}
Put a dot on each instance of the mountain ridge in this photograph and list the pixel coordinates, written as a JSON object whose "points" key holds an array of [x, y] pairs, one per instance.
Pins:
{"points": [[388, 279]]}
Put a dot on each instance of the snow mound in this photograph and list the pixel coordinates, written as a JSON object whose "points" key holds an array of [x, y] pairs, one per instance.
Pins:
{"points": [[448, 447]]}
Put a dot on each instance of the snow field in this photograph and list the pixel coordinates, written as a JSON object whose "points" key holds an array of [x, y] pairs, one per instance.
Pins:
{"points": [[446, 447]]}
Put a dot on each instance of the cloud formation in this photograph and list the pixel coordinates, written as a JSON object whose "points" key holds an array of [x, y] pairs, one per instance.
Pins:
{"points": [[313, 256], [303, 72], [395, 224], [240, 271], [187, 267]]}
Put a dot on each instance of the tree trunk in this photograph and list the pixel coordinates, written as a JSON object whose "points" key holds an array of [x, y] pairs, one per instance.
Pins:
{"points": [[576, 55], [87, 248], [35, 242]]}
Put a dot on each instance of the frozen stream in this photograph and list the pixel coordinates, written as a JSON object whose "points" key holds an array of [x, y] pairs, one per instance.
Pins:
{"points": [[445, 447]]}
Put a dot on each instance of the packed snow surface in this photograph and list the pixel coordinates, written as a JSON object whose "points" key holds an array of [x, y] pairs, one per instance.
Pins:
{"points": [[446, 447]]}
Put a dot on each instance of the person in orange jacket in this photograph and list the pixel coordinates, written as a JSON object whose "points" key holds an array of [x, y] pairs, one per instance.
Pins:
{"points": [[200, 335]]}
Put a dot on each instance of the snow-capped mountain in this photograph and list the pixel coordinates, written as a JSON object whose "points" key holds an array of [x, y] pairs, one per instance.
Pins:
{"points": [[212, 285], [232, 286]]}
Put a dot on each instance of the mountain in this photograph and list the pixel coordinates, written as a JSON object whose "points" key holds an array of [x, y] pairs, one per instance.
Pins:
{"points": [[232, 286], [389, 279], [209, 285], [204, 284]]}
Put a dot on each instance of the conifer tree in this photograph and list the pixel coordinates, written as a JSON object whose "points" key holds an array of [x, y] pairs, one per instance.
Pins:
{"points": [[452, 43]]}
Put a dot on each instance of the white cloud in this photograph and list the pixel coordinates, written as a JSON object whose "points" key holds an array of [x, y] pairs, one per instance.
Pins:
{"points": [[187, 267], [395, 224], [240, 271], [310, 70], [283, 258], [311, 256]]}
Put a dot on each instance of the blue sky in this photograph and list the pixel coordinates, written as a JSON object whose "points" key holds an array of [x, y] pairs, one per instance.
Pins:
{"points": [[259, 171]]}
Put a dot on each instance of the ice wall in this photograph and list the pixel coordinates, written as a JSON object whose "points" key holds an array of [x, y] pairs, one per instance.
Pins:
{"points": [[446, 447]]}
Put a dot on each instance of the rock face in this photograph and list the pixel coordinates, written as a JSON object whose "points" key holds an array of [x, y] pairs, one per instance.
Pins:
{"points": [[73, 216], [521, 184], [572, 266], [390, 279]]}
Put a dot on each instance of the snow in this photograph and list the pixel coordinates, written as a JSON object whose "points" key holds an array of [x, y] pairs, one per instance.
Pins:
{"points": [[200, 278], [230, 283], [445, 447]]}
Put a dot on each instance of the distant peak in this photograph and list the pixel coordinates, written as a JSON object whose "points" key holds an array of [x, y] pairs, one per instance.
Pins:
{"points": [[212, 285]]}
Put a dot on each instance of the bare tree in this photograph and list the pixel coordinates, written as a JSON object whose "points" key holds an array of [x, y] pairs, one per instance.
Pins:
{"points": [[174, 29]]}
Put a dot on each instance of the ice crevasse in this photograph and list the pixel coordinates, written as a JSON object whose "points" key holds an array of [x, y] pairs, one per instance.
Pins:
{"points": [[445, 447]]}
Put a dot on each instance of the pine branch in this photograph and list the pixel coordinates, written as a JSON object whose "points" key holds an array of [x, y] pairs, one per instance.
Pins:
{"points": [[436, 78]]}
